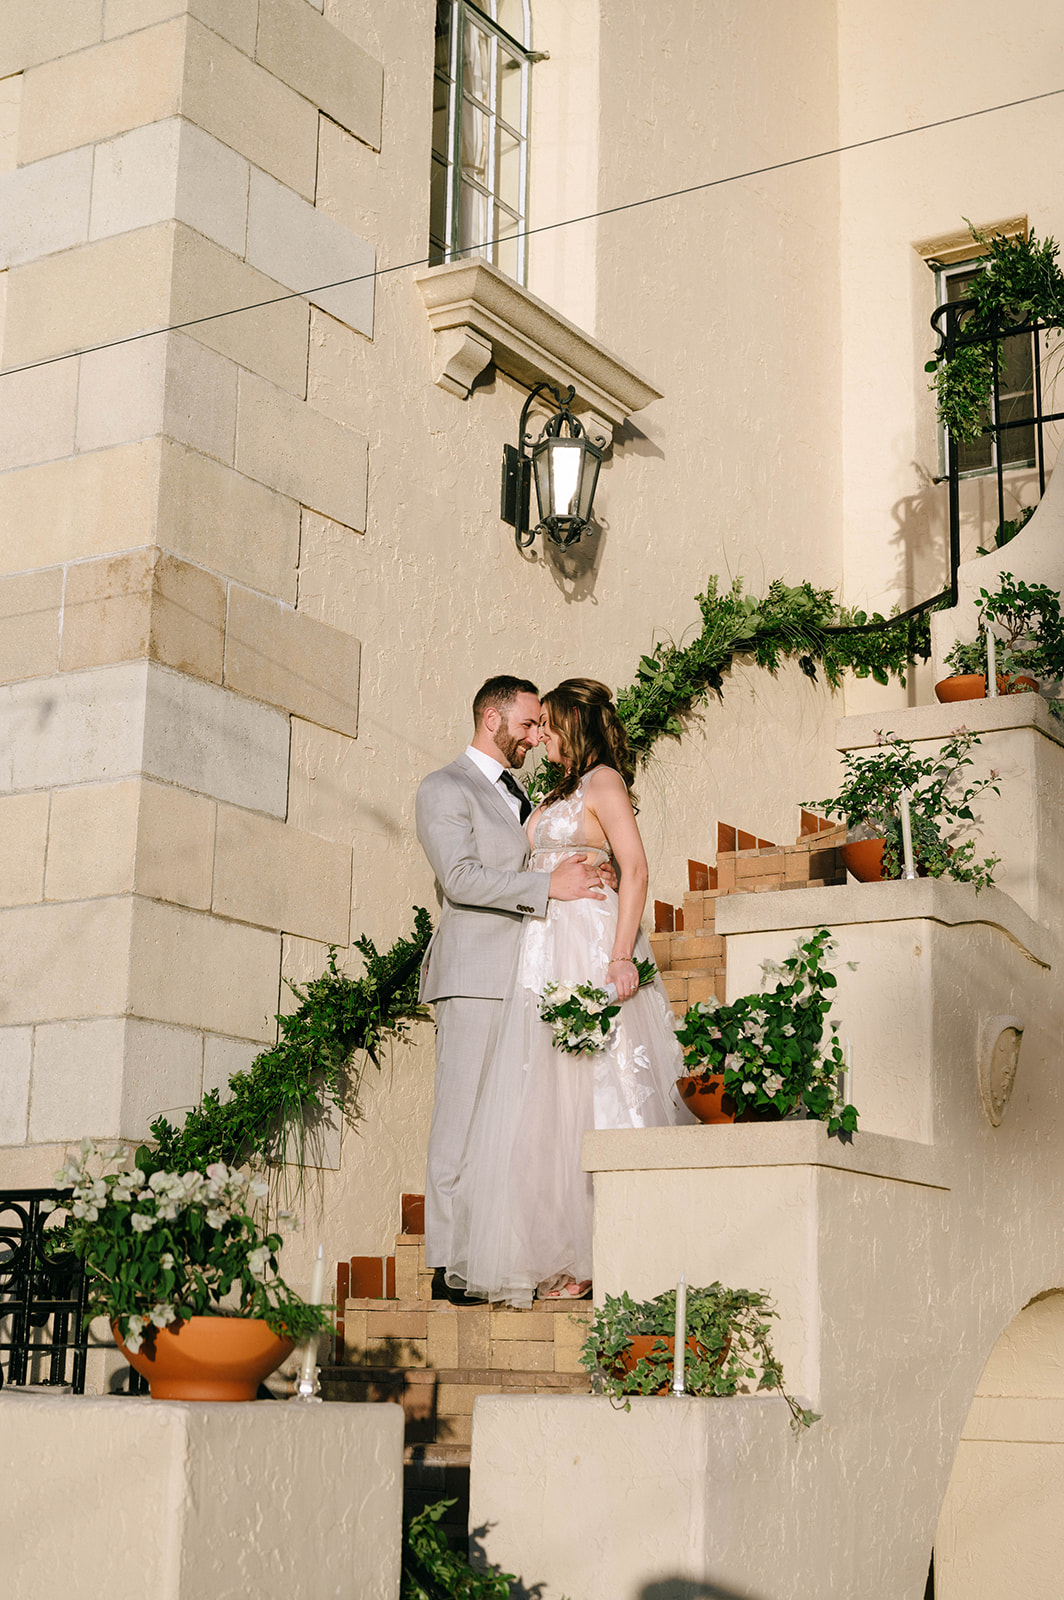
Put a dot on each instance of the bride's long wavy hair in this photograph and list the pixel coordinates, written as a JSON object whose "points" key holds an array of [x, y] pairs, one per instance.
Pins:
{"points": [[591, 734]]}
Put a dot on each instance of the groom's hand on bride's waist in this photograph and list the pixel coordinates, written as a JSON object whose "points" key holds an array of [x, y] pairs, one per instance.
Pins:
{"points": [[577, 878]]}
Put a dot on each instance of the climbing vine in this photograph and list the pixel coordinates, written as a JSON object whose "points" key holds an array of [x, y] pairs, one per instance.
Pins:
{"points": [[321, 1053], [1019, 282]]}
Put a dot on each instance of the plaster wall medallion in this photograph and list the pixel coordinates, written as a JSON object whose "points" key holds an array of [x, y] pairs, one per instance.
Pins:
{"points": [[999, 1056]]}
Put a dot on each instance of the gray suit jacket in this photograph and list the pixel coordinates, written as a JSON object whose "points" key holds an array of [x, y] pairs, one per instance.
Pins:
{"points": [[478, 851]]}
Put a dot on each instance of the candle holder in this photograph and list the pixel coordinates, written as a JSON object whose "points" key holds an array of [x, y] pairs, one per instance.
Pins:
{"points": [[308, 1387]]}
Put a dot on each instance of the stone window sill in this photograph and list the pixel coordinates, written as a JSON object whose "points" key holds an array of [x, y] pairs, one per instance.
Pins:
{"points": [[478, 315]]}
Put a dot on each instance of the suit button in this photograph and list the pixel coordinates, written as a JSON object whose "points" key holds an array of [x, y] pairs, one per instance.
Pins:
{"points": [[526, 908]]}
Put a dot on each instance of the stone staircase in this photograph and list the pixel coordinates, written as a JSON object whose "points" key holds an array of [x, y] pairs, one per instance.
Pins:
{"points": [[690, 955], [433, 1359]]}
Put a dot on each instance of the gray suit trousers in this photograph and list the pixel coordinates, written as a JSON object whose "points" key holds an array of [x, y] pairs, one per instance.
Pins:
{"points": [[465, 1040]]}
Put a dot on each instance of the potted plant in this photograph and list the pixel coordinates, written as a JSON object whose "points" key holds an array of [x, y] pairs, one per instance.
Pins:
{"points": [[1030, 642], [178, 1264], [940, 810], [764, 1056], [728, 1347]]}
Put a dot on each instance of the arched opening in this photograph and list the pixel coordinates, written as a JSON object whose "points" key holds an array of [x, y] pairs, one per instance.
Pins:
{"points": [[1000, 1531]]}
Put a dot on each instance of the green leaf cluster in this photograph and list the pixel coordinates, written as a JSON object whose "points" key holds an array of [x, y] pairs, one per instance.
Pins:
{"points": [[940, 806], [769, 1047], [790, 622], [160, 1247], [311, 1065], [1019, 282], [433, 1571], [729, 1346]]}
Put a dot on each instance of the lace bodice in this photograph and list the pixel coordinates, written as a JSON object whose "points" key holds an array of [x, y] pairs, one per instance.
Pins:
{"points": [[561, 829]]}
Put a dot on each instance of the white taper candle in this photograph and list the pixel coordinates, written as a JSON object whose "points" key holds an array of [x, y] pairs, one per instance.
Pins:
{"points": [[907, 835], [991, 663], [310, 1352], [679, 1347]]}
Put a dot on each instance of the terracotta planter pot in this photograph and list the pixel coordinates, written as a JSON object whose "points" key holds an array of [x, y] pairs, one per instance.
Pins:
{"points": [[962, 686], [864, 858], [706, 1098], [972, 686], [760, 1114], [642, 1345], [208, 1358]]}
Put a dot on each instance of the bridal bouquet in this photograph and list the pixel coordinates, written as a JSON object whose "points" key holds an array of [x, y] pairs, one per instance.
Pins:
{"points": [[580, 1017]]}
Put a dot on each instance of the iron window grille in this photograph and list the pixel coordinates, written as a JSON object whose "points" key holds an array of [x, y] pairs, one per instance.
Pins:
{"points": [[44, 1329], [479, 187], [1013, 413]]}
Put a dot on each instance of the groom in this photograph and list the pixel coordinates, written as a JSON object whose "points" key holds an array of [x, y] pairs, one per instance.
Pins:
{"points": [[470, 822]]}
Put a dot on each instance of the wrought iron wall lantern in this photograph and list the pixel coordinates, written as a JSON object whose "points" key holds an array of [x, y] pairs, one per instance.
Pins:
{"points": [[565, 466]]}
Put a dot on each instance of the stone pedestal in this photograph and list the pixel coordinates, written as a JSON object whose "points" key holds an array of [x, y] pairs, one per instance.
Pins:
{"points": [[126, 1497]]}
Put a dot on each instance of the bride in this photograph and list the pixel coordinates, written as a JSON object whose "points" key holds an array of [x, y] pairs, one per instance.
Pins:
{"points": [[523, 1204]]}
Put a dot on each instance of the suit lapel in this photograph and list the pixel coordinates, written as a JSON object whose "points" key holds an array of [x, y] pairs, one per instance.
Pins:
{"points": [[484, 786]]}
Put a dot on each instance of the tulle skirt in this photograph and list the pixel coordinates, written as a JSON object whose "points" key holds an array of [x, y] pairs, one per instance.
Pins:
{"points": [[523, 1209]]}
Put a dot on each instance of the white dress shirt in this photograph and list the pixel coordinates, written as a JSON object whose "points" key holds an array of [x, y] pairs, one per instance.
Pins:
{"points": [[493, 770]]}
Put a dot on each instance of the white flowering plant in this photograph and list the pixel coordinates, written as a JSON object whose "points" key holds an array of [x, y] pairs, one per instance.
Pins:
{"points": [[580, 1016], [769, 1048], [160, 1247]]}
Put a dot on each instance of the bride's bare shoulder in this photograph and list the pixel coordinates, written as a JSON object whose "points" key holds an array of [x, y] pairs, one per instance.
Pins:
{"points": [[606, 783]]}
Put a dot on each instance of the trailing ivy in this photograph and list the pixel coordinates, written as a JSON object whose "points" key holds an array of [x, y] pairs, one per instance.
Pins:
{"points": [[788, 622], [1019, 282], [310, 1067]]}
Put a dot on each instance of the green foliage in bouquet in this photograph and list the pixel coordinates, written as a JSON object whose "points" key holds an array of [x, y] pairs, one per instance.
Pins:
{"points": [[940, 805], [732, 1351], [769, 1047], [580, 1017], [161, 1246]]}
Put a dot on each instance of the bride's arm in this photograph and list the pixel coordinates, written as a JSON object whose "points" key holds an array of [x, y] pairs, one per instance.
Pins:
{"points": [[608, 802]]}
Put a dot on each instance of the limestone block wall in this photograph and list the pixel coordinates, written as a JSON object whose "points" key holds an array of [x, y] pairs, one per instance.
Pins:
{"points": [[158, 662]]}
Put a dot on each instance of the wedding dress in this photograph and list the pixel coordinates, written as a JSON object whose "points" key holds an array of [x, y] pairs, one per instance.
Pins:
{"points": [[523, 1203]]}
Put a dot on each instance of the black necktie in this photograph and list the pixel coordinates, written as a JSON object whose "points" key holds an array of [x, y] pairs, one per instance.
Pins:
{"points": [[516, 790]]}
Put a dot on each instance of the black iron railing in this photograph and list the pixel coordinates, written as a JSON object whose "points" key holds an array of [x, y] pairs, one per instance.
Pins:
{"points": [[43, 1322]]}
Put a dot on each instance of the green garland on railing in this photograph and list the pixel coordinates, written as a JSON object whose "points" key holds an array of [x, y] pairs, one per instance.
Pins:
{"points": [[788, 622], [310, 1066]]}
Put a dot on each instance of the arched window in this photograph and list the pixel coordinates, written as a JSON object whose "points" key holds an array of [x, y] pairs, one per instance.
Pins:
{"points": [[480, 132]]}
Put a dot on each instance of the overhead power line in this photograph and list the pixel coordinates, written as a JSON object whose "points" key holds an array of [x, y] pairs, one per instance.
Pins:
{"points": [[546, 227]]}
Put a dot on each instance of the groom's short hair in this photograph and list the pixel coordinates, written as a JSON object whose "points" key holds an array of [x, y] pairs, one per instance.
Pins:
{"points": [[501, 693]]}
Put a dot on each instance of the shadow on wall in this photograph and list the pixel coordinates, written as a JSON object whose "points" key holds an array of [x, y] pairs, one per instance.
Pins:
{"points": [[691, 1589], [478, 1558]]}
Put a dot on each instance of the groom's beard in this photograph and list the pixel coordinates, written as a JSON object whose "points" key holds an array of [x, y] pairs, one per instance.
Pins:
{"points": [[513, 749]]}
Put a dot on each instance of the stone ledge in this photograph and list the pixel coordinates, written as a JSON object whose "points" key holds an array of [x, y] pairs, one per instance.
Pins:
{"points": [[478, 314], [924, 899], [938, 722], [764, 1144]]}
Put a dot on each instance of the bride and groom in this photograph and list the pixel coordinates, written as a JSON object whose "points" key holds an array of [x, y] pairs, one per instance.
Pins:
{"points": [[530, 897]]}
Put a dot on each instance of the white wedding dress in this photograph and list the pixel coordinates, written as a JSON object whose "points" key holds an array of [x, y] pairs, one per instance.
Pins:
{"points": [[523, 1203]]}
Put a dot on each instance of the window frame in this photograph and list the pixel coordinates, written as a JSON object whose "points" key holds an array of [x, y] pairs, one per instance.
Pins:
{"points": [[447, 243]]}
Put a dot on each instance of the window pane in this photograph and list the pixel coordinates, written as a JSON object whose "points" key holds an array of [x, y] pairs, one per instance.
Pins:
{"points": [[443, 35], [440, 104], [510, 14], [438, 205], [473, 227], [507, 249], [510, 90], [476, 128], [508, 169], [477, 62]]}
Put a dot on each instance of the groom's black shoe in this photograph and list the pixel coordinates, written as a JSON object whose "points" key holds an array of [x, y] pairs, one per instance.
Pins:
{"points": [[441, 1290]]}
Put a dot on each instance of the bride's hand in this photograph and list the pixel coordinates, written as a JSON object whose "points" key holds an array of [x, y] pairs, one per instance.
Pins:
{"points": [[624, 977]]}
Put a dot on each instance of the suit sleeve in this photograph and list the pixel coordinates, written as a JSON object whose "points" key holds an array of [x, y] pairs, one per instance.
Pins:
{"points": [[445, 830]]}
